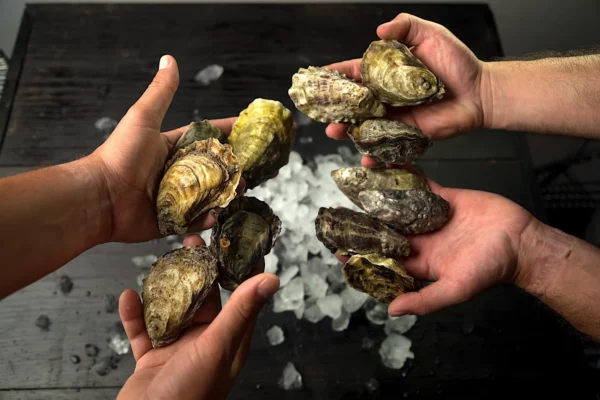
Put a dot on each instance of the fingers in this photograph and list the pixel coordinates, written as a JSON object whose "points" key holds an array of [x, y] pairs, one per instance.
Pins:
{"points": [[438, 295], [408, 29], [350, 68], [132, 317], [151, 108], [337, 131]]}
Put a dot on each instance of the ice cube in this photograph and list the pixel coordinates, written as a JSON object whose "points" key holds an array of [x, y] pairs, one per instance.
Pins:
{"points": [[302, 119], [271, 261], [225, 295], [315, 266], [341, 323], [399, 324], [106, 125], [372, 385], [176, 245], [313, 313], [335, 274], [299, 312], [171, 238], [378, 315], [316, 286], [144, 261], [287, 274], [291, 378], [395, 350], [353, 299], [275, 335], [209, 74], [367, 343], [331, 305], [117, 339]]}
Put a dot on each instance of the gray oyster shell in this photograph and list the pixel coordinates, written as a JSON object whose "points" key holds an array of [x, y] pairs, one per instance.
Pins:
{"points": [[199, 131]]}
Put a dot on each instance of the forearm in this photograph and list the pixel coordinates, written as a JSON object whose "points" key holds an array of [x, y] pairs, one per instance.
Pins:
{"points": [[564, 273], [550, 95], [47, 218]]}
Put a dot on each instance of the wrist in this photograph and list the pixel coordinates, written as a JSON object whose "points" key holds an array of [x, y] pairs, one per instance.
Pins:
{"points": [[488, 88]]}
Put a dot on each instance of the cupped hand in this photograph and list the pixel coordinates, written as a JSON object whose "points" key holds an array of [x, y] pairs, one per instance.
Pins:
{"points": [[477, 248], [132, 159], [446, 56], [207, 358]]}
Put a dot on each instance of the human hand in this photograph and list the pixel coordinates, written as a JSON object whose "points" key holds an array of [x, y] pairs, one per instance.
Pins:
{"points": [[205, 361], [132, 159], [464, 76]]}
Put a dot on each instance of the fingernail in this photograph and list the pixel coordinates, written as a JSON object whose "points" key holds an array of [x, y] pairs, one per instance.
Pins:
{"points": [[164, 62], [267, 288]]}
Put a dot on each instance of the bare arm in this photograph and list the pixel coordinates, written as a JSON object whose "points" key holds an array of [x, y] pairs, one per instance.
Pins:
{"points": [[564, 273], [48, 217]]}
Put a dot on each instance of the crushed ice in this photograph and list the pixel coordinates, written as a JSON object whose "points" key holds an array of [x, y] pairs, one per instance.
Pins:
{"points": [[208, 75]]}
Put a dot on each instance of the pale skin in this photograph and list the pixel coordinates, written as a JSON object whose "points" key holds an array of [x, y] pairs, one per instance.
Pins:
{"points": [[108, 196]]}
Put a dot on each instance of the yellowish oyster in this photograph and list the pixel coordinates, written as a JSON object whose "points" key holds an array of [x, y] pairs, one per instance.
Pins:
{"points": [[389, 141], [380, 277], [327, 96], [245, 231], [397, 77], [353, 180], [262, 139], [174, 290], [198, 178], [199, 131]]}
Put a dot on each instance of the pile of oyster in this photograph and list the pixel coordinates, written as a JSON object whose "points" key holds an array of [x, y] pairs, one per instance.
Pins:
{"points": [[202, 176], [396, 202]]}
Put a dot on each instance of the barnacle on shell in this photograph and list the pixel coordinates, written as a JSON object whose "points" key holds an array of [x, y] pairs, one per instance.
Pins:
{"points": [[175, 288], [397, 77], [245, 231], [198, 178], [327, 96], [380, 277], [262, 139], [347, 232], [353, 180], [389, 141]]}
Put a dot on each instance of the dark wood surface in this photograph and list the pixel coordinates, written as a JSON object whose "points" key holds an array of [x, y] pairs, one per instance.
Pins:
{"points": [[82, 62]]}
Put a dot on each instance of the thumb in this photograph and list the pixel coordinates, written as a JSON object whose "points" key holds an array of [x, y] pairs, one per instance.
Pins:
{"points": [[434, 297], [149, 111], [409, 29]]}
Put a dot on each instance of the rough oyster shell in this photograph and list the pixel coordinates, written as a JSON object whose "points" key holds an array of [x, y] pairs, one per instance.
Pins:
{"points": [[389, 141], [380, 277], [347, 232], [198, 178], [352, 180], [174, 290], [409, 211], [199, 131], [396, 76], [327, 96], [262, 139], [245, 232]]}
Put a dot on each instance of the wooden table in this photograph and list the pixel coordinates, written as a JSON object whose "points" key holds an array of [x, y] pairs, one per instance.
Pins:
{"points": [[76, 63]]}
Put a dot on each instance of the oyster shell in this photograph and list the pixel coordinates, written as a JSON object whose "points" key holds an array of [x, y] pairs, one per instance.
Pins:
{"points": [[347, 232], [409, 211], [327, 96], [380, 277], [352, 180], [389, 141], [175, 288], [245, 232], [262, 139], [199, 131], [397, 77], [198, 178]]}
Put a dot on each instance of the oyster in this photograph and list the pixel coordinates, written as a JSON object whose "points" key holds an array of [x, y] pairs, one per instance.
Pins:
{"points": [[352, 180], [380, 277], [244, 233], [411, 212], [199, 131], [262, 139], [397, 77], [347, 232], [389, 141], [174, 290], [327, 96], [198, 178]]}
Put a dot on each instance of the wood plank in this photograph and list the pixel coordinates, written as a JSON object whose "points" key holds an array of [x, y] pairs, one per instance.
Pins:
{"points": [[74, 75], [61, 394]]}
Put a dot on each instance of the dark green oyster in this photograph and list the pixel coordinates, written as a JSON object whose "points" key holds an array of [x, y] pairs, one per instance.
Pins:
{"points": [[174, 290], [409, 211], [347, 232], [389, 141], [199, 131], [245, 231], [380, 277]]}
